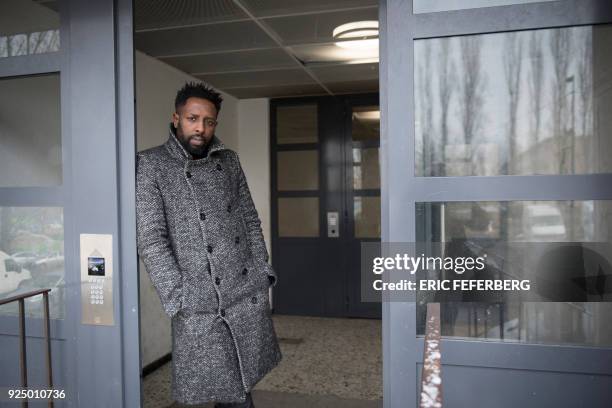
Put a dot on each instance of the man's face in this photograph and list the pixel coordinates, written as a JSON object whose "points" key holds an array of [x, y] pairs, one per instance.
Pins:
{"points": [[195, 124]]}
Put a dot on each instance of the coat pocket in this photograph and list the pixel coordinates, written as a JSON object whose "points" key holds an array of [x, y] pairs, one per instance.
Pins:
{"points": [[189, 323], [198, 295]]}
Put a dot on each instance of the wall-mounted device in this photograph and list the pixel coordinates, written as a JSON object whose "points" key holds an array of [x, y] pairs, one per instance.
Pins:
{"points": [[96, 279], [333, 227]]}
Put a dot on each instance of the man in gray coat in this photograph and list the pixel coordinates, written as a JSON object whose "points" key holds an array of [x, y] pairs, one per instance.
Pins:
{"points": [[200, 239]]}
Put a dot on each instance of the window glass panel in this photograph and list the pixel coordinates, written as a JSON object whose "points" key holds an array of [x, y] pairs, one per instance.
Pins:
{"points": [[298, 170], [30, 142], [18, 45], [42, 42], [298, 217], [366, 169], [296, 124], [28, 27], [430, 6], [366, 211], [515, 103], [365, 123], [481, 223], [32, 257]]}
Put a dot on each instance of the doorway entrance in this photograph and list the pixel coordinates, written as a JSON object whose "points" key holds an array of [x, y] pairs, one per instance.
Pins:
{"points": [[325, 201]]}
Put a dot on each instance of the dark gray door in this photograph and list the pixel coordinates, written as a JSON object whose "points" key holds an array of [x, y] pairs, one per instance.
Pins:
{"points": [[496, 126], [66, 169], [325, 201]]}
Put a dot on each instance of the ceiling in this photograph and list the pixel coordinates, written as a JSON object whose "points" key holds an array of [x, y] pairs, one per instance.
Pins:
{"points": [[258, 48]]}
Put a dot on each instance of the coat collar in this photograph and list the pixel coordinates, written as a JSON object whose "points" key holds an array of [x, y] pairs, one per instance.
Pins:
{"points": [[175, 147]]}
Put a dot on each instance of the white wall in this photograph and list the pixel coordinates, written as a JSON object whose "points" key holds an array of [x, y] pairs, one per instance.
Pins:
{"points": [[156, 86], [254, 152]]}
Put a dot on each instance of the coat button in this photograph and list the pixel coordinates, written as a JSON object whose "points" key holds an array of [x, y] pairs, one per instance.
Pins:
{"points": [[209, 248], [253, 300], [237, 240], [244, 271], [222, 312], [202, 216], [218, 280], [266, 258], [219, 166], [229, 208], [188, 174]]}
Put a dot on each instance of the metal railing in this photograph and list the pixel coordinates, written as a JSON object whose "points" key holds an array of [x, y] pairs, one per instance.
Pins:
{"points": [[431, 375], [22, 337]]}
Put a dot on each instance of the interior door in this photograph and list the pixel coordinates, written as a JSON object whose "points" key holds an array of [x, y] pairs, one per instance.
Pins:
{"points": [[325, 201]]}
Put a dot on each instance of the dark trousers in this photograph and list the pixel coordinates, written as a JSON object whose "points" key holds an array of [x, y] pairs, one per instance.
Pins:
{"points": [[248, 403]]}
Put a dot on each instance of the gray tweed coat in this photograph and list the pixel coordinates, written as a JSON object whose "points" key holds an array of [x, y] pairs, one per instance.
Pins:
{"points": [[200, 239]]}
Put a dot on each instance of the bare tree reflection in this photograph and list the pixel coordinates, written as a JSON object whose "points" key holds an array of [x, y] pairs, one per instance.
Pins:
{"points": [[472, 84], [560, 46], [426, 112], [447, 78], [513, 62], [585, 86], [536, 85]]}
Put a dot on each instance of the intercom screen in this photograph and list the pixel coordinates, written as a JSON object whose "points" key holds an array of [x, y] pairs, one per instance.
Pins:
{"points": [[95, 266]]}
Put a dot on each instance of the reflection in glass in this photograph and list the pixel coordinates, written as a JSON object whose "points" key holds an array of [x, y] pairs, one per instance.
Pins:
{"points": [[365, 123], [430, 6], [514, 103], [298, 170], [30, 146], [296, 124], [366, 169], [3, 47], [484, 223], [45, 41], [18, 45], [32, 257], [366, 211], [298, 217]]}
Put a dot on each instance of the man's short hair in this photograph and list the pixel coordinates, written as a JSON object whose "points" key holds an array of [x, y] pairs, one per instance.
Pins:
{"points": [[197, 90]]}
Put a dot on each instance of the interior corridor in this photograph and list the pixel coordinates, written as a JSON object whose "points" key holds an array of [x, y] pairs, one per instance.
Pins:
{"points": [[327, 362]]}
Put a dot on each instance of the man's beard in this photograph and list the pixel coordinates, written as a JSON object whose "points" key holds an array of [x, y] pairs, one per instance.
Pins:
{"points": [[194, 150]]}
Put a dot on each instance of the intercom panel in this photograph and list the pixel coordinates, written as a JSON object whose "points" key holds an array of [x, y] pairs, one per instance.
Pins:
{"points": [[97, 279]]}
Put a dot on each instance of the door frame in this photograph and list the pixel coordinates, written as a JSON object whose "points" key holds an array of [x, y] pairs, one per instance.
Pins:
{"points": [[401, 189], [356, 308]]}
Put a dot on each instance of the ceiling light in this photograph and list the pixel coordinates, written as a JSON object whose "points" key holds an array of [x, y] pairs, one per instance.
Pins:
{"points": [[367, 115], [358, 35]]}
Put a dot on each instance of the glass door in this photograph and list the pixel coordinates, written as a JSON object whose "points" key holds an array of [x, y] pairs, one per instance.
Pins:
{"points": [[67, 170], [494, 129], [32, 182]]}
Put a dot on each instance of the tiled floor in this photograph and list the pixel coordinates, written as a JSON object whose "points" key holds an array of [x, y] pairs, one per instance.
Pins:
{"points": [[327, 362]]}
